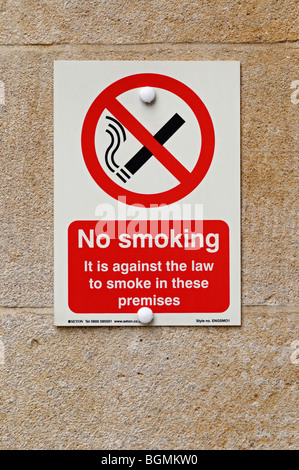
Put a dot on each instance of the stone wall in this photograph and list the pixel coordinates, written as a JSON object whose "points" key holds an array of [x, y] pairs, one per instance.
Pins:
{"points": [[149, 388]]}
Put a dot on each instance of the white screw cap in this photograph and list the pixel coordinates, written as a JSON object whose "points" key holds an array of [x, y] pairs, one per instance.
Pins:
{"points": [[145, 315], [147, 94]]}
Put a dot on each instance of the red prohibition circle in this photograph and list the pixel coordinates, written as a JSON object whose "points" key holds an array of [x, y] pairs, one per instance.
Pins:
{"points": [[107, 99]]}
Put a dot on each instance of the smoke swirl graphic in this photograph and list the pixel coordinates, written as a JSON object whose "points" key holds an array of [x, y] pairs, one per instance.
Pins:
{"points": [[117, 135]]}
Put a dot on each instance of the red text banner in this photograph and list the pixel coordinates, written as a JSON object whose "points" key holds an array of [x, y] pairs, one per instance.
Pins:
{"points": [[169, 266]]}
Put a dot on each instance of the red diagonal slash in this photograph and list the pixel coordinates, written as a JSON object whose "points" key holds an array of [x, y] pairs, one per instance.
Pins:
{"points": [[147, 139]]}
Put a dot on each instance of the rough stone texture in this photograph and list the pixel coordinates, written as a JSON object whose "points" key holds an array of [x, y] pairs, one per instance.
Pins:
{"points": [[269, 185], [91, 388], [143, 21]]}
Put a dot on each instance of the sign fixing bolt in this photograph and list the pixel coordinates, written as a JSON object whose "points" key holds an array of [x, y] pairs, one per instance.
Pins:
{"points": [[147, 94]]}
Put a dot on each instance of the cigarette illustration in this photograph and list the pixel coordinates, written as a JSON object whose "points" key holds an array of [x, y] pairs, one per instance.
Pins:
{"points": [[143, 155]]}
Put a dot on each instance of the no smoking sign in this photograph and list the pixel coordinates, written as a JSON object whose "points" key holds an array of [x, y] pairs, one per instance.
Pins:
{"points": [[152, 146], [147, 225]]}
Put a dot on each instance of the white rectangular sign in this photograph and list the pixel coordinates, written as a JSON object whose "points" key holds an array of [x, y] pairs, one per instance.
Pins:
{"points": [[147, 193]]}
